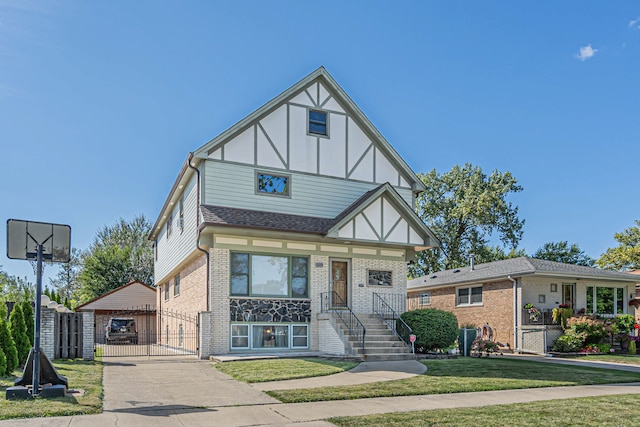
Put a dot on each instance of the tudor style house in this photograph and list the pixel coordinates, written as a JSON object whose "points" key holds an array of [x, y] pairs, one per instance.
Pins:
{"points": [[300, 207]]}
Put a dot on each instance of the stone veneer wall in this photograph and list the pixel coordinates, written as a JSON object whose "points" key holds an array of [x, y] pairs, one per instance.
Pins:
{"points": [[269, 310]]}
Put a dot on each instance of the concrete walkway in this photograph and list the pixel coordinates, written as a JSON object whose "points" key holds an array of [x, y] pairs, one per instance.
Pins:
{"points": [[366, 372], [189, 392]]}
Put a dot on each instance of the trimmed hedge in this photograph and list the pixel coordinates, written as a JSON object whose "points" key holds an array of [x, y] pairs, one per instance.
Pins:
{"points": [[434, 329]]}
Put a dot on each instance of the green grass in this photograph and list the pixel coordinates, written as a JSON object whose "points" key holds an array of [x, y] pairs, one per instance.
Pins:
{"points": [[254, 371], [589, 411], [466, 375], [81, 375], [615, 358]]}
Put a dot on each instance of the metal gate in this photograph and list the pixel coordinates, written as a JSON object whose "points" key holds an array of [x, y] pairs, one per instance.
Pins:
{"points": [[144, 331]]}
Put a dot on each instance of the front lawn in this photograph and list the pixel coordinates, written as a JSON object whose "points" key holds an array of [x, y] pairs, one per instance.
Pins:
{"points": [[587, 411], [264, 370], [466, 375], [82, 375]]}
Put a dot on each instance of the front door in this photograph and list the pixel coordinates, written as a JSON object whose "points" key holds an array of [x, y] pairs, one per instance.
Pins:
{"points": [[339, 283]]}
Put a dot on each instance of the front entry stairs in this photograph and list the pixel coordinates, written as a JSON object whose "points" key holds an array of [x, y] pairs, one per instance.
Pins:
{"points": [[380, 344]]}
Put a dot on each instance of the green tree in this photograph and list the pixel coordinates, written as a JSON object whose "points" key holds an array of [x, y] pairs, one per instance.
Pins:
{"points": [[8, 346], [15, 289], [496, 253], [466, 209], [106, 269], [118, 255], [625, 256], [563, 252], [18, 330], [29, 320]]}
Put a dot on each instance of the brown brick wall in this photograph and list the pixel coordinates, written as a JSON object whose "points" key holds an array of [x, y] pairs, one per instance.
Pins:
{"points": [[193, 289], [496, 308]]}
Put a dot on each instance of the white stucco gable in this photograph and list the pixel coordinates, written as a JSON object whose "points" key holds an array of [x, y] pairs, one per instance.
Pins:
{"points": [[277, 136], [382, 216]]}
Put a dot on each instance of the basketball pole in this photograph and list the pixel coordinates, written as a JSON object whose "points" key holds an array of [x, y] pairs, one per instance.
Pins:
{"points": [[36, 334]]}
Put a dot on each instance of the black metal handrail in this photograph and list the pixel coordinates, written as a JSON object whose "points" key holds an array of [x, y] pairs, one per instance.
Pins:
{"points": [[333, 302], [391, 318]]}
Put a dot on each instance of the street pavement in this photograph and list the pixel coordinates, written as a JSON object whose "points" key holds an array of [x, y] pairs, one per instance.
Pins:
{"points": [[188, 392]]}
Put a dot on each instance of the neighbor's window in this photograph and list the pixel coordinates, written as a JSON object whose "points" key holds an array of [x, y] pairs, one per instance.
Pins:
{"points": [[277, 185], [605, 301], [166, 292], [269, 275], [469, 296], [425, 298], [181, 215], [379, 278], [169, 224], [176, 285], [318, 122]]}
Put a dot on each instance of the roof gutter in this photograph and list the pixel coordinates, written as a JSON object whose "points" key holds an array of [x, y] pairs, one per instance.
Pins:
{"points": [[199, 231], [515, 312]]}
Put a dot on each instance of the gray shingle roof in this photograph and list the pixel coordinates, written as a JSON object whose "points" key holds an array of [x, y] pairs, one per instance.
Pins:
{"points": [[246, 218], [515, 267]]}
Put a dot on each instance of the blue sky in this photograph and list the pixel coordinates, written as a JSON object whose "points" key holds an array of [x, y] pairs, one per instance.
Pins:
{"points": [[100, 102]]}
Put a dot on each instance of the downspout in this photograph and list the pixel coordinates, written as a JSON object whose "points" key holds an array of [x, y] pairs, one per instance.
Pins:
{"points": [[189, 158], [515, 313]]}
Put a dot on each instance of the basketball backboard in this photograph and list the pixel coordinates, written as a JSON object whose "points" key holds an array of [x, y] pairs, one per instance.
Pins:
{"points": [[23, 238]]}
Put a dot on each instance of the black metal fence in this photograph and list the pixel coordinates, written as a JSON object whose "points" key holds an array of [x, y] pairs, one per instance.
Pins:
{"points": [[144, 331]]}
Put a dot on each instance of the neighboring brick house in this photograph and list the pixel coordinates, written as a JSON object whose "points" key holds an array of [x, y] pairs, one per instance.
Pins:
{"points": [[496, 293], [302, 199]]}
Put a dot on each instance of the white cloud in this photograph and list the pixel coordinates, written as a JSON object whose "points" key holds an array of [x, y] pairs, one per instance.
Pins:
{"points": [[586, 52], [635, 23]]}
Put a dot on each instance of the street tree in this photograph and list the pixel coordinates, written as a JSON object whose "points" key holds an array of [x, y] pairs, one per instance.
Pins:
{"points": [[467, 210], [625, 256], [563, 252]]}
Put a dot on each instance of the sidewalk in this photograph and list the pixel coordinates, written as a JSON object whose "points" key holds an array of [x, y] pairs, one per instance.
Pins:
{"points": [[192, 393]]}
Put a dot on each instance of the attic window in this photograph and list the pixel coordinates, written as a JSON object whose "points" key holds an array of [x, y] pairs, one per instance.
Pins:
{"points": [[276, 185], [318, 122]]}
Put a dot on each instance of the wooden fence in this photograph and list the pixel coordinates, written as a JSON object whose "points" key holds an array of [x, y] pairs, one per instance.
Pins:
{"points": [[67, 335]]}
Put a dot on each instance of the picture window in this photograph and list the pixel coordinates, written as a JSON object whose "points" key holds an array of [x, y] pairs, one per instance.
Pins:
{"points": [[269, 275]]}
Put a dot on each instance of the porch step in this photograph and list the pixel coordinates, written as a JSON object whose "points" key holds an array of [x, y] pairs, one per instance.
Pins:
{"points": [[381, 343]]}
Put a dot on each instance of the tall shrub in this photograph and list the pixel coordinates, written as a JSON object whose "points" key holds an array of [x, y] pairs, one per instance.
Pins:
{"points": [[3, 363], [8, 347], [18, 329], [29, 320], [434, 329]]}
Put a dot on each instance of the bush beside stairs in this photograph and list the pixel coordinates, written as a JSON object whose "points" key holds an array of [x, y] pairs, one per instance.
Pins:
{"points": [[381, 343]]}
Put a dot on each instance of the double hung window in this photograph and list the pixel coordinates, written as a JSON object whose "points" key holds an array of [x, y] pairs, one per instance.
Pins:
{"points": [[469, 296]]}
